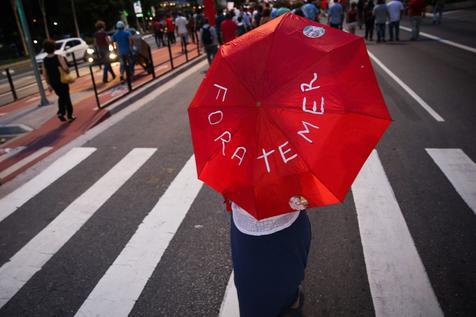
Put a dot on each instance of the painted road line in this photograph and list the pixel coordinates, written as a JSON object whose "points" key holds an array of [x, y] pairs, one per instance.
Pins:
{"points": [[30, 158], [410, 91], [17, 198], [118, 290], [11, 152], [398, 281], [30, 259], [442, 40], [229, 306], [460, 170]]}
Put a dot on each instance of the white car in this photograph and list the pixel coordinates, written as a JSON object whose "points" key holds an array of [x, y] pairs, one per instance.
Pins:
{"points": [[66, 48]]}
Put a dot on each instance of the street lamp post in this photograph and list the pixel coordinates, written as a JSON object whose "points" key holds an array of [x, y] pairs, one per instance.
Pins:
{"points": [[75, 19], [26, 32]]}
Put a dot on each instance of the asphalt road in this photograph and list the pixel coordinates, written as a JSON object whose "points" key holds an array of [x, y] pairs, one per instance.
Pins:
{"points": [[414, 257]]}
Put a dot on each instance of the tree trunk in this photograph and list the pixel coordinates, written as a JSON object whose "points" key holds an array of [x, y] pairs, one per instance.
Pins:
{"points": [[75, 19], [15, 12], [45, 22]]}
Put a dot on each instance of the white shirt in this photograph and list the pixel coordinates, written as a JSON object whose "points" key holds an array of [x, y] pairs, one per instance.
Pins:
{"points": [[394, 9], [247, 224], [181, 24]]}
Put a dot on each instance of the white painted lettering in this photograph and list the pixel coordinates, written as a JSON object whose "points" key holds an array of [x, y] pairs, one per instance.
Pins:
{"points": [[265, 157], [224, 140], [314, 107], [284, 152], [307, 87], [306, 130], [235, 154], [220, 89], [218, 120]]}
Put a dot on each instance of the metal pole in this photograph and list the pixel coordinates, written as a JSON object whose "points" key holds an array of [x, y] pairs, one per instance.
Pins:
{"points": [[198, 44], [151, 61], [75, 65], [170, 53], [26, 31], [75, 19], [185, 44], [12, 87], [94, 86]]}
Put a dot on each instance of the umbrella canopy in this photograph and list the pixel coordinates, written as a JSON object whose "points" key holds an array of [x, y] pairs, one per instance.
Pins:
{"points": [[291, 108]]}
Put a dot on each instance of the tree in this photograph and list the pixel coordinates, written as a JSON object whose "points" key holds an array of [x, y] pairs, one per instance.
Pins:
{"points": [[15, 12], [45, 22]]}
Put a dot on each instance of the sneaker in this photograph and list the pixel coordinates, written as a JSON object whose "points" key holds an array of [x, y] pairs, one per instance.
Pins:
{"points": [[61, 117], [71, 119]]}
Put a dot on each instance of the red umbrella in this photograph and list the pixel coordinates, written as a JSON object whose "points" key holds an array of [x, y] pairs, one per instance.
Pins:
{"points": [[290, 108], [210, 11]]}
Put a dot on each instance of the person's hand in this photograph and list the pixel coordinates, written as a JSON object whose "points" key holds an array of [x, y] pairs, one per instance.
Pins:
{"points": [[50, 89]]}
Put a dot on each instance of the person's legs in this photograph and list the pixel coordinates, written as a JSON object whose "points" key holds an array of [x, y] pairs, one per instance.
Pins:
{"points": [[269, 269], [61, 104], [391, 27], [417, 27], [208, 51], [397, 30], [413, 21], [68, 103]]}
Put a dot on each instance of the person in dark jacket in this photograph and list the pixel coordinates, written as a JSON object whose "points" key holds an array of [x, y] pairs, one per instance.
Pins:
{"points": [[369, 20], [52, 62]]}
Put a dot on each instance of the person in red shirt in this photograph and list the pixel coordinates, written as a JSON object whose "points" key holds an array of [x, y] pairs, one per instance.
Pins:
{"points": [[416, 10], [169, 22], [228, 28]]}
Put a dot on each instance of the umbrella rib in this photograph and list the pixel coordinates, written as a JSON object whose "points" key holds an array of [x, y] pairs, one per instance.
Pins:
{"points": [[312, 65], [302, 158]]}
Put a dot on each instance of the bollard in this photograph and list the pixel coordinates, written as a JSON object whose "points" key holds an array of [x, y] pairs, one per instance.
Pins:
{"points": [[151, 62], [170, 53], [75, 65], [12, 87], [94, 86]]}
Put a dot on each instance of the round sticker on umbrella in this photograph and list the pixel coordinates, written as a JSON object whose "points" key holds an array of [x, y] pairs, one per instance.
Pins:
{"points": [[313, 32]]}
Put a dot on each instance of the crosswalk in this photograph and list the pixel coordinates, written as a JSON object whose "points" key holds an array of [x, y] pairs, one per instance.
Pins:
{"points": [[398, 281]]}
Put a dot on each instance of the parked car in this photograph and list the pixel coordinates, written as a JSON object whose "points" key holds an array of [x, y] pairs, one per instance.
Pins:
{"points": [[66, 48]]}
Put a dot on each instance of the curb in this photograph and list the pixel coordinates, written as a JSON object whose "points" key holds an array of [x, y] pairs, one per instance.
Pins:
{"points": [[145, 90]]}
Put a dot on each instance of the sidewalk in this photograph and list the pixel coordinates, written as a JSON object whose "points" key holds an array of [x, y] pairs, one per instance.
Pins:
{"points": [[49, 134]]}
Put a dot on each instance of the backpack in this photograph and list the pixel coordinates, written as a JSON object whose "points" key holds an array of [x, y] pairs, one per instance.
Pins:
{"points": [[207, 36]]}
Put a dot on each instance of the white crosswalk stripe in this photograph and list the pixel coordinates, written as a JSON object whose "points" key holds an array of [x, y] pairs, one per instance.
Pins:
{"points": [[398, 281], [460, 171], [119, 289], [17, 198], [30, 259]]}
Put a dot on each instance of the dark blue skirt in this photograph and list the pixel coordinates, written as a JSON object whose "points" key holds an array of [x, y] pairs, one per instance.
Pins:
{"points": [[269, 269]]}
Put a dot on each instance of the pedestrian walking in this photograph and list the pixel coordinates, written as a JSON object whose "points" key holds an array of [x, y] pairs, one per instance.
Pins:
{"points": [[102, 42], [158, 27], [416, 11], [54, 65], [352, 16], [269, 259], [123, 40], [438, 6], [228, 28], [182, 31], [170, 25], [380, 13], [336, 15], [310, 10], [209, 38], [360, 15], [218, 21], [395, 8], [369, 20], [266, 17]]}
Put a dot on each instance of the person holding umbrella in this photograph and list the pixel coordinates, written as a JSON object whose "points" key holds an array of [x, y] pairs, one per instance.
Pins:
{"points": [[277, 140]]}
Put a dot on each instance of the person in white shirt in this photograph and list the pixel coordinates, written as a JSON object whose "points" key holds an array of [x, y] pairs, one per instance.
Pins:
{"points": [[181, 29], [394, 9], [269, 258]]}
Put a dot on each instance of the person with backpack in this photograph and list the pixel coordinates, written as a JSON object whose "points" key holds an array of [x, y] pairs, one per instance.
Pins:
{"points": [[209, 38]]}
